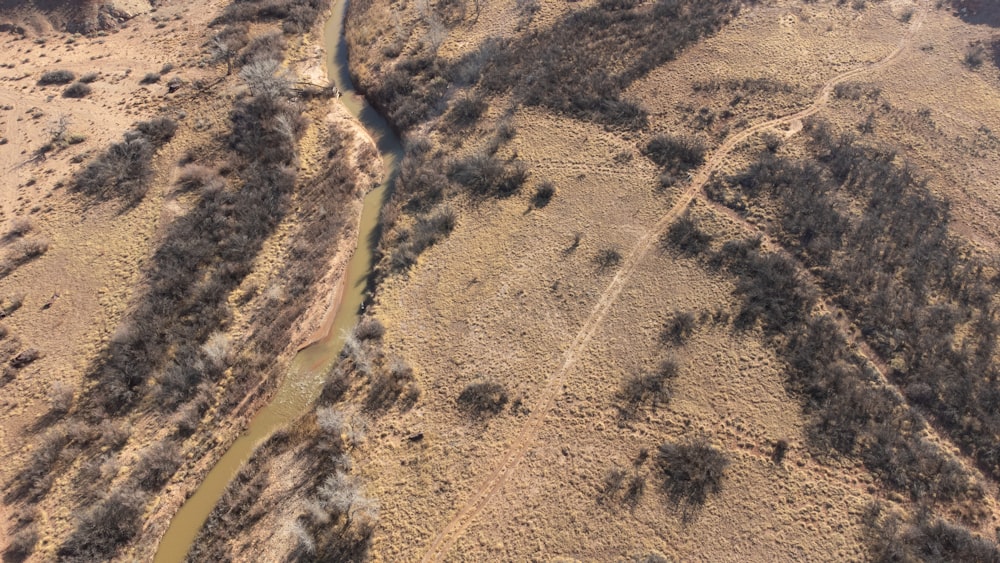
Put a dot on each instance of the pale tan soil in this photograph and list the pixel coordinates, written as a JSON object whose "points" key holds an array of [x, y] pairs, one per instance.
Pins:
{"points": [[500, 299]]}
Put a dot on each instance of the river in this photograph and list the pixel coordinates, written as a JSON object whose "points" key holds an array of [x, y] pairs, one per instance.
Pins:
{"points": [[304, 380]]}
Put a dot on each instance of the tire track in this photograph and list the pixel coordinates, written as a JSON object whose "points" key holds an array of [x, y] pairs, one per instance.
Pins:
{"points": [[484, 493]]}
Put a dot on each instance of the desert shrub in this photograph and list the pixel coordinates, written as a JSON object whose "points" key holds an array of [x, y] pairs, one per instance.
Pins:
{"points": [[485, 175], [56, 77], [156, 465], [607, 259], [150, 78], [975, 55], [267, 47], [90, 77], [19, 227], [686, 235], [543, 194], [466, 110], [22, 544], [369, 328], [22, 252], [678, 327], [692, 469], [482, 398], [61, 398], [196, 176], [389, 385], [653, 387], [856, 91], [124, 170], [428, 230], [887, 536], [675, 154], [77, 90], [158, 130], [104, 528], [780, 449]]}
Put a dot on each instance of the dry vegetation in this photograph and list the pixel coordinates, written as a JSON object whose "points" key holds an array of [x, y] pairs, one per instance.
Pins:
{"points": [[615, 317], [253, 201]]}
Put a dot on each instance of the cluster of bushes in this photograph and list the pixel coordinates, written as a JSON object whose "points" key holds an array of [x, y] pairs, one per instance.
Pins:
{"points": [[685, 236], [485, 175], [851, 414], [579, 66], [890, 262], [125, 169], [296, 16], [675, 155], [692, 469], [888, 536], [171, 334]]}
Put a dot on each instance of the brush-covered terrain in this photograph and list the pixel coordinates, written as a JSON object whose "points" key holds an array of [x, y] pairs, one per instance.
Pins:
{"points": [[657, 280]]}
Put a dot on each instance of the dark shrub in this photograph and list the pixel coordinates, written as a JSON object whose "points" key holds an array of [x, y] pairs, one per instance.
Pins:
{"points": [[157, 464], [104, 528], [466, 110], [369, 328], [77, 90], [678, 328], [150, 78], [483, 398], [543, 194], [22, 545], [158, 130], [653, 387], [56, 77], [686, 235], [486, 175], [90, 77], [675, 154], [692, 469], [608, 258]]}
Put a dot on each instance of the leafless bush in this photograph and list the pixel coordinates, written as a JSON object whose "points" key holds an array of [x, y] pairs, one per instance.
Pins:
{"points": [[22, 544], [61, 397], [196, 176], [77, 90], [483, 398], [150, 78], [692, 469], [675, 154], [678, 327], [686, 235], [543, 194], [56, 77], [387, 386], [653, 387], [19, 227], [486, 175], [607, 259], [104, 528], [156, 465], [369, 328]]}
